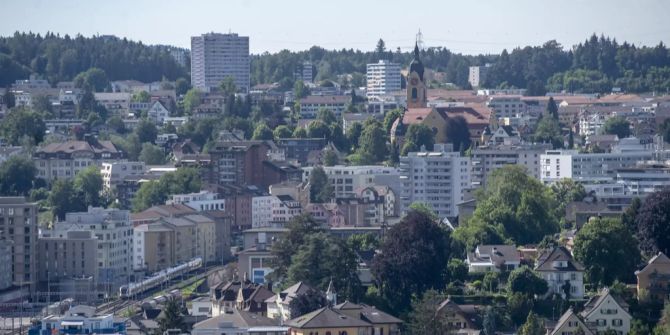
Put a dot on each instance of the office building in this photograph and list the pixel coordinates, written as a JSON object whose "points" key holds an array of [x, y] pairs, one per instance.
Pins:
{"points": [[477, 75], [382, 78], [18, 225], [217, 56], [438, 178]]}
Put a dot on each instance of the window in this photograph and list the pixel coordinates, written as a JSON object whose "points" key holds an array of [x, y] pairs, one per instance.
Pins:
{"points": [[414, 97]]}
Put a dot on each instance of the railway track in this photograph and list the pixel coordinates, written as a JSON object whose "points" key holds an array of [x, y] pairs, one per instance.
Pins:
{"points": [[121, 304]]}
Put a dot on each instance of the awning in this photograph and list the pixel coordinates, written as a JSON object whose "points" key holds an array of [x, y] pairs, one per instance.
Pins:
{"points": [[71, 323]]}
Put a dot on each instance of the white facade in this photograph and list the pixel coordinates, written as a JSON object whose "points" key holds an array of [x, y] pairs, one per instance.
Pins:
{"points": [[157, 113], [201, 201], [114, 232], [438, 178], [587, 167], [115, 172], [347, 179], [382, 78], [506, 106], [217, 56], [485, 160], [267, 211], [606, 313], [477, 75], [591, 124]]}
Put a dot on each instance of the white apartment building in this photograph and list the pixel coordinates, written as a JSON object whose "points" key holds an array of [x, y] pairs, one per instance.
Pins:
{"points": [[217, 56], [506, 106], [305, 72], [644, 179], [267, 211], [114, 232], [477, 75], [438, 178], [310, 105], [486, 159], [200, 201], [346, 180], [115, 172], [587, 167], [382, 78]]}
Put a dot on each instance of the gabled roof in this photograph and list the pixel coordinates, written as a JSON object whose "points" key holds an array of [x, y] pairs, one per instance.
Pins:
{"points": [[367, 313], [471, 313], [239, 319], [546, 260], [660, 258], [326, 317], [596, 301], [569, 315]]}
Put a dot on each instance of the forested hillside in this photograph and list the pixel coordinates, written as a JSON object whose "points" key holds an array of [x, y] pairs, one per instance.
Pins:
{"points": [[595, 66], [61, 58]]}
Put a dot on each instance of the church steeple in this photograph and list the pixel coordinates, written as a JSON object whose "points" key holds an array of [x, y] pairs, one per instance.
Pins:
{"points": [[416, 88]]}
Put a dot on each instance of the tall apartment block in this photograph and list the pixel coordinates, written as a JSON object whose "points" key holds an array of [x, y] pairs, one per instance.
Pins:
{"points": [[217, 56], [18, 224], [477, 75], [114, 234], [382, 78], [438, 178]]}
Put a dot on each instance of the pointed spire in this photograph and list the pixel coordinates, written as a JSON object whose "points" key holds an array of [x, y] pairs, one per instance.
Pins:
{"points": [[416, 50], [331, 295]]}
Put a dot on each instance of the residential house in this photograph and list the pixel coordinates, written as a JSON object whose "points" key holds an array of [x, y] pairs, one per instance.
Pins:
{"points": [[65, 160], [328, 320], [654, 279], [494, 258], [382, 323], [158, 113], [570, 323], [464, 319], [278, 305], [564, 275], [606, 311], [239, 322]]}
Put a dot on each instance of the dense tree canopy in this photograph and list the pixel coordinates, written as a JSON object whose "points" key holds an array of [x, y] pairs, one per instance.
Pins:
{"points": [[653, 223], [413, 259], [322, 258], [513, 205], [156, 192], [457, 133], [616, 125], [418, 135], [22, 124], [17, 175], [598, 243], [61, 58]]}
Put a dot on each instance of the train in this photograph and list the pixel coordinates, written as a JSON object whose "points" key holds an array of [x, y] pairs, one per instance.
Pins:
{"points": [[157, 278]]}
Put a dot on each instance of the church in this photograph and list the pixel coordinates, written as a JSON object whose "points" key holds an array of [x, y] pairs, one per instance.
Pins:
{"points": [[419, 111]]}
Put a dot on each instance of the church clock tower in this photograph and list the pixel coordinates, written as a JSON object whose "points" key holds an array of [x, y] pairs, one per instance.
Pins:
{"points": [[416, 88]]}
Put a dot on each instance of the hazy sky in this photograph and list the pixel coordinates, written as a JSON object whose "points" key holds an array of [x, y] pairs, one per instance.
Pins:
{"points": [[467, 26]]}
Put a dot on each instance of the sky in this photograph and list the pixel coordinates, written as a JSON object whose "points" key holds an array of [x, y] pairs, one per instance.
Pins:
{"points": [[465, 26]]}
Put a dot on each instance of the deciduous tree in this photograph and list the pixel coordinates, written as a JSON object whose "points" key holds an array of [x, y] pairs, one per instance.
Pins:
{"points": [[413, 259], [652, 223], [598, 243]]}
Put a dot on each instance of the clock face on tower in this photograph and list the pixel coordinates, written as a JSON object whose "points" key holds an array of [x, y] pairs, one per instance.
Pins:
{"points": [[414, 81]]}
